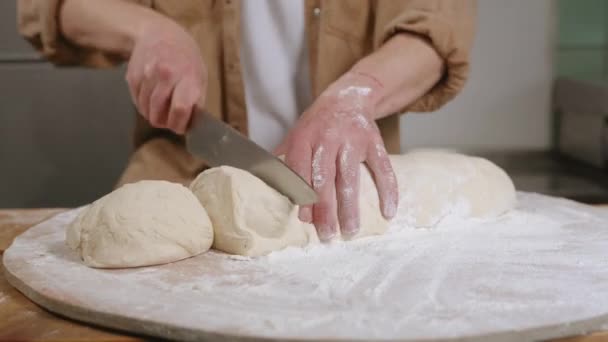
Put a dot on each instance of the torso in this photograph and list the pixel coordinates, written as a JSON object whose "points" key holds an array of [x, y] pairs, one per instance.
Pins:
{"points": [[275, 67]]}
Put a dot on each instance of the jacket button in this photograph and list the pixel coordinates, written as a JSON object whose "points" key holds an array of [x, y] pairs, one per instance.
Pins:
{"points": [[316, 11]]}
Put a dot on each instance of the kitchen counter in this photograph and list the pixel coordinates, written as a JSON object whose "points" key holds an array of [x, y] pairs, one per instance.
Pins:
{"points": [[548, 173], [21, 319]]}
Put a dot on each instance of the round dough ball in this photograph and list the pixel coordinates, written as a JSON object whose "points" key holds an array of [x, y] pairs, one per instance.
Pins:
{"points": [[436, 184], [141, 224], [251, 218]]}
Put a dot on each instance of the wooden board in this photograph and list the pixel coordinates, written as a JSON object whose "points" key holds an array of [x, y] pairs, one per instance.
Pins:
{"points": [[20, 318], [47, 296]]}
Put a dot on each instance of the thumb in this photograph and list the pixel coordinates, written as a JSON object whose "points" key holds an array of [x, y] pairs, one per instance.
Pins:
{"points": [[281, 149]]}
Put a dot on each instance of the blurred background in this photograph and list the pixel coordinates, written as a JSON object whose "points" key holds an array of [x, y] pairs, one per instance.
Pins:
{"points": [[536, 104]]}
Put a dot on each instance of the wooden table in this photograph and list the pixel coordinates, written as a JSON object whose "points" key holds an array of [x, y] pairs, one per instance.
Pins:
{"points": [[21, 319]]}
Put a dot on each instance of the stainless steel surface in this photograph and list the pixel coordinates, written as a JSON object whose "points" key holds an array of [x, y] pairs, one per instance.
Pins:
{"points": [[219, 144], [582, 110], [551, 174], [605, 143], [12, 45], [580, 136], [61, 144]]}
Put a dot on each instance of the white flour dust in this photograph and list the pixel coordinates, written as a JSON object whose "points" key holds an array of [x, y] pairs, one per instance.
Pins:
{"points": [[542, 268], [318, 180], [354, 90]]}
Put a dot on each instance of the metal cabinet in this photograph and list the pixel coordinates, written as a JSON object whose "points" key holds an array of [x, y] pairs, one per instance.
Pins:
{"points": [[13, 48], [582, 120], [64, 132]]}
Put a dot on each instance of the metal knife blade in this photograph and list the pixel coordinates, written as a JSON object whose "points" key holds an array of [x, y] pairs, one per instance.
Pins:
{"points": [[219, 144]]}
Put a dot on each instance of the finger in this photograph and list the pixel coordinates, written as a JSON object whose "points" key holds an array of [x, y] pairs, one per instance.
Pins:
{"points": [[347, 191], [160, 99], [299, 159], [185, 96], [134, 77], [324, 182], [384, 177], [282, 148], [146, 87]]}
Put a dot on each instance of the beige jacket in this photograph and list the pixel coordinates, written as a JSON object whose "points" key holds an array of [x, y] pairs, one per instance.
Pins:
{"points": [[340, 32]]}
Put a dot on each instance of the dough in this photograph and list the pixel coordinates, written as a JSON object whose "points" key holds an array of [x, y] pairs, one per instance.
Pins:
{"points": [[436, 184], [141, 224], [250, 218]]}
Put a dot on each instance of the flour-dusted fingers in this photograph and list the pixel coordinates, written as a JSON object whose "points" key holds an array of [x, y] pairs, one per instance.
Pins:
{"points": [[324, 182], [347, 190], [384, 177], [299, 158]]}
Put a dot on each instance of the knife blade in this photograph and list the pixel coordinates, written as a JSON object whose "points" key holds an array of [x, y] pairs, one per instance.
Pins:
{"points": [[219, 144]]}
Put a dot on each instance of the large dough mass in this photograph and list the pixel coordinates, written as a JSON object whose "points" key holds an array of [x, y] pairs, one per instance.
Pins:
{"points": [[250, 218], [140, 224]]}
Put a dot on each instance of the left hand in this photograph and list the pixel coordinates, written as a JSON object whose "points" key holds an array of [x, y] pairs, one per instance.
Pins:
{"points": [[326, 147]]}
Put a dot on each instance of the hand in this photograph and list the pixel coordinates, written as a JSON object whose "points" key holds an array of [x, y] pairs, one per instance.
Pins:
{"points": [[166, 76], [326, 147]]}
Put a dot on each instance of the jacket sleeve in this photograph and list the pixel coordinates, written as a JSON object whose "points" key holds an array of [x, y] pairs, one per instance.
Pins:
{"points": [[38, 22], [448, 25]]}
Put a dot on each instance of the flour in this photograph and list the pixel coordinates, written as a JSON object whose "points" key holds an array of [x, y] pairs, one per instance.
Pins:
{"points": [[318, 180], [354, 90], [542, 265]]}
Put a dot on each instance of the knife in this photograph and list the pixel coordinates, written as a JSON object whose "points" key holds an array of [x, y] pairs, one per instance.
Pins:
{"points": [[219, 144]]}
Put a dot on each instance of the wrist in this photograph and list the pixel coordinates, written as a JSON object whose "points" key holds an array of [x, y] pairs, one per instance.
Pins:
{"points": [[149, 23], [360, 89]]}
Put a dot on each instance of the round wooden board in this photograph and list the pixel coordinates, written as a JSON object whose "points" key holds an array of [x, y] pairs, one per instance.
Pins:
{"points": [[423, 291]]}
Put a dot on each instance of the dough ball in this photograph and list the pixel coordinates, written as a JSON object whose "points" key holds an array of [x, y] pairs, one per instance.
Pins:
{"points": [[251, 218], [436, 184], [141, 224]]}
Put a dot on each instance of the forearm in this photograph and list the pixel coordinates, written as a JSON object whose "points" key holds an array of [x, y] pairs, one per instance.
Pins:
{"points": [[405, 68], [111, 25]]}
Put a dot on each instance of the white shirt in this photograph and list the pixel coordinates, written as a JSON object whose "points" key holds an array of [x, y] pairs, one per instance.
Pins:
{"points": [[275, 64]]}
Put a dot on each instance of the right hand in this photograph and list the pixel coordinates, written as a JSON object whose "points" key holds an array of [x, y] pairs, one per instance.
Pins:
{"points": [[166, 76]]}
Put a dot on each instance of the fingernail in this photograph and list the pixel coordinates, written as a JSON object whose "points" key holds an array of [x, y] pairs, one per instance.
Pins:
{"points": [[350, 228], [326, 233], [389, 210]]}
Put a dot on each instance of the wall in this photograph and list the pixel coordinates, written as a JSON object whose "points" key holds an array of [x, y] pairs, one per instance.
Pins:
{"points": [[582, 49], [506, 103]]}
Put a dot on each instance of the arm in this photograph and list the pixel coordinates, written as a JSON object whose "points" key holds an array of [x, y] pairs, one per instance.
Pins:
{"points": [[111, 25], [419, 63], [401, 71], [166, 74], [400, 89]]}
